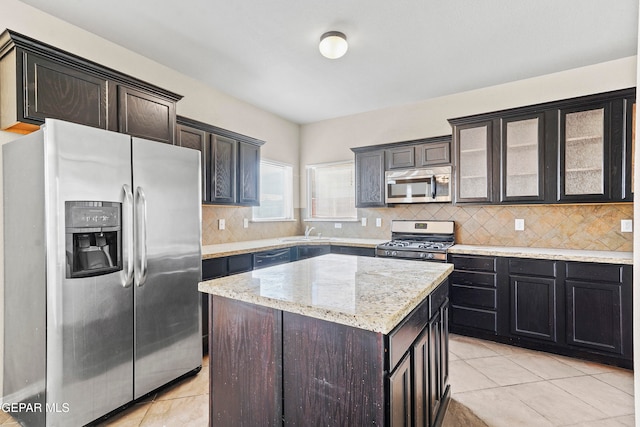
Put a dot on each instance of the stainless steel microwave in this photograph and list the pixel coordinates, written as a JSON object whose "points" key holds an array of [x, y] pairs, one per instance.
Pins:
{"points": [[418, 185]]}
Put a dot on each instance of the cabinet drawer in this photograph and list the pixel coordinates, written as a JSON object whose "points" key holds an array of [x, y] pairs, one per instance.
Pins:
{"points": [[353, 250], [403, 336], [474, 318], [213, 268], [594, 272], [474, 263], [532, 267], [438, 297], [240, 263], [469, 296], [473, 279], [268, 258]]}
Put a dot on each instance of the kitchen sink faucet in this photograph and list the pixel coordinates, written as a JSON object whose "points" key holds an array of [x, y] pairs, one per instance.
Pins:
{"points": [[307, 230]]}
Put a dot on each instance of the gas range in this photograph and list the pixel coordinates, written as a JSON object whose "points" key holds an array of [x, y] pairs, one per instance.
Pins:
{"points": [[421, 240]]}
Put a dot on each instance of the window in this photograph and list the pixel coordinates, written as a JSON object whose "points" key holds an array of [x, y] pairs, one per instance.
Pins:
{"points": [[276, 192], [331, 193]]}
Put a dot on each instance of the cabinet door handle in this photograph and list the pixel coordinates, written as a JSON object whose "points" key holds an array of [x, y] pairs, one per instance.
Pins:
{"points": [[433, 186]]}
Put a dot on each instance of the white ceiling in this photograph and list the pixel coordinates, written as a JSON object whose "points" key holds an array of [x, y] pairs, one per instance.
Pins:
{"points": [[400, 51]]}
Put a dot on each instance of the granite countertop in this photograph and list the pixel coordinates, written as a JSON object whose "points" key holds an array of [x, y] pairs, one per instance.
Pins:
{"points": [[364, 292], [235, 248], [607, 257]]}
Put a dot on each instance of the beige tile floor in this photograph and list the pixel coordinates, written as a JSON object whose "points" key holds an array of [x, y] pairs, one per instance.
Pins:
{"points": [[492, 385], [509, 386]]}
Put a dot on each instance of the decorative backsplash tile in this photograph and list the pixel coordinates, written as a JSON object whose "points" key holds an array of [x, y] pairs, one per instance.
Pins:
{"points": [[234, 225], [591, 227]]}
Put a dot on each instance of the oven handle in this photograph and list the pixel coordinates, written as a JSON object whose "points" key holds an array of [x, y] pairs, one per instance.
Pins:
{"points": [[433, 186]]}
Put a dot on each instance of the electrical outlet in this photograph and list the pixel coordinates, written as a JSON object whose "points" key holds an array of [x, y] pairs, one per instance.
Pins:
{"points": [[364, 222], [245, 223], [337, 225], [221, 224], [378, 222], [626, 225], [519, 224]]}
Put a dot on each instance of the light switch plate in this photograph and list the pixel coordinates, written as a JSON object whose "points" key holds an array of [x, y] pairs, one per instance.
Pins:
{"points": [[337, 225], [364, 222], [245, 223], [221, 224], [626, 225], [519, 224], [378, 222]]}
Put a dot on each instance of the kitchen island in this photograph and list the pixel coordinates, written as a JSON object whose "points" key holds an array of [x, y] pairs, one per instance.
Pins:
{"points": [[332, 340]]}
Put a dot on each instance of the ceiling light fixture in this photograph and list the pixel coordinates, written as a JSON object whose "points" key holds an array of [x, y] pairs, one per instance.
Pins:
{"points": [[333, 44]]}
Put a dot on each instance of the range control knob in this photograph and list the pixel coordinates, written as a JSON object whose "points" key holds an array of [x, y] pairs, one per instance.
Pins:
{"points": [[394, 253], [387, 253]]}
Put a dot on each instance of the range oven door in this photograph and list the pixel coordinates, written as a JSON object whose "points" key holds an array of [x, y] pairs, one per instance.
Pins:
{"points": [[418, 185]]}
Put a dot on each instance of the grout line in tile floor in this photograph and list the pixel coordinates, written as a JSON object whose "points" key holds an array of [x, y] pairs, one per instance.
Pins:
{"points": [[492, 385]]}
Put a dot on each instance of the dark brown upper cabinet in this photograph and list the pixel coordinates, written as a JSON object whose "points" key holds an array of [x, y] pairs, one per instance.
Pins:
{"points": [[577, 150], [145, 115], [418, 154], [224, 154], [195, 139], [434, 153], [369, 178], [473, 144], [248, 174], [401, 157], [39, 81], [371, 163], [230, 162], [522, 158]]}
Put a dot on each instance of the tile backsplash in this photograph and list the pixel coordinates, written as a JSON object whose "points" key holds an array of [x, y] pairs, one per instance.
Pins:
{"points": [[234, 231], [592, 227]]}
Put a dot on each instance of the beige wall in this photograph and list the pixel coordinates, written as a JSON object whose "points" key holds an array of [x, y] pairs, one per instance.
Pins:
{"points": [[330, 140]]}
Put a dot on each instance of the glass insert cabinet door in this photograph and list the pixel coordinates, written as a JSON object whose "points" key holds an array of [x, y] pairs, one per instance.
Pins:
{"points": [[584, 154], [522, 158], [474, 163]]}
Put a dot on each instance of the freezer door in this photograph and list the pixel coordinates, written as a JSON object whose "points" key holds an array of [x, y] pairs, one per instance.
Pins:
{"points": [[89, 319], [167, 199]]}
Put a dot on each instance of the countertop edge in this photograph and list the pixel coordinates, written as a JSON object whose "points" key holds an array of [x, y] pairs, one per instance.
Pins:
{"points": [[237, 248], [605, 257]]}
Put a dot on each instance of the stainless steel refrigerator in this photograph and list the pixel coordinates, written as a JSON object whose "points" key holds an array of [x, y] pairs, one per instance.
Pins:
{"points": [[102, 261]]}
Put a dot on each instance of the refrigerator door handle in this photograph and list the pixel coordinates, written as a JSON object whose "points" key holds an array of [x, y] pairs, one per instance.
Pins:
{"points": [[141, 214], [128, 235]]}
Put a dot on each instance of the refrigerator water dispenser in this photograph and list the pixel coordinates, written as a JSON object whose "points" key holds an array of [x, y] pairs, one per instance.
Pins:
{"points": [[93, 238]]}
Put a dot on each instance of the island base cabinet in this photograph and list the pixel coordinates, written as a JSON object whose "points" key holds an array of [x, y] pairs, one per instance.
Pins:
{"points": [[245, 364], [275, 368], [333, 374], [401, 393]]}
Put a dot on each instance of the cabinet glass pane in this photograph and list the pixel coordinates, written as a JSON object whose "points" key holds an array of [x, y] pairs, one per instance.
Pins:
{"points": [[473, 163], [584, 152], [522, 175]]}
